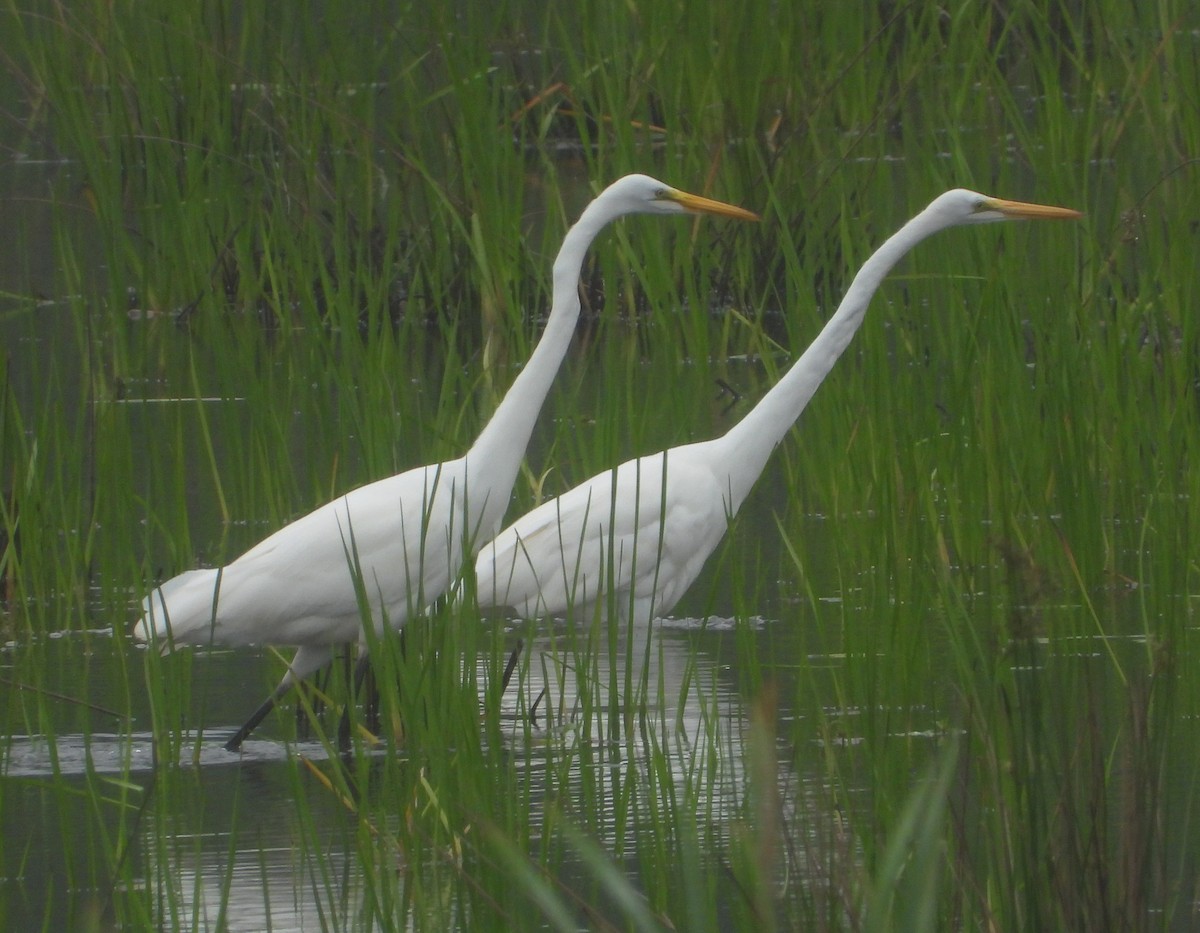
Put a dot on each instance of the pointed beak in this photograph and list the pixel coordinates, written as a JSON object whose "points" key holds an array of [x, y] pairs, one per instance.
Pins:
{"points": [[699, 205], [1020, 210]]}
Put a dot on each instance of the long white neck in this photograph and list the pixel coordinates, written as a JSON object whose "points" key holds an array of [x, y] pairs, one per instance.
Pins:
{"points": [[748, 444], [495, 457]]}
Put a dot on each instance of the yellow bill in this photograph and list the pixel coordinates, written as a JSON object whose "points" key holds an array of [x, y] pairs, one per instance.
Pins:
{"points": [[702, 205], [1021, 210]]}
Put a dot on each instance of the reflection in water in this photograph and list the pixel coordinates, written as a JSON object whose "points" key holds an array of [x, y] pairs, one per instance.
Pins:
{"points": [[272, 872], [655, 723], [662, 709], [240, 842], [232, 851], [655, 699], [249, 842]]}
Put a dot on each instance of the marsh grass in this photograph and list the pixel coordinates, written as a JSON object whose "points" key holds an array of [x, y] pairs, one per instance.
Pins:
{"points": [[295, 253]]}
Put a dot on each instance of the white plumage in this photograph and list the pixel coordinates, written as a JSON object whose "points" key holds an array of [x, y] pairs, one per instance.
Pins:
{"points": [[394, 545], [639, 534]]}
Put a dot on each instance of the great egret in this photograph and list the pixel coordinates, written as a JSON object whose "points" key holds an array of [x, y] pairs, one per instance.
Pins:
{"points": [[638, 534], [396, 543]]}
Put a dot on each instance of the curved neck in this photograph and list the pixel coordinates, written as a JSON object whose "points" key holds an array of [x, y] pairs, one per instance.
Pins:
{"points": [[749, 443], [495, 457]]}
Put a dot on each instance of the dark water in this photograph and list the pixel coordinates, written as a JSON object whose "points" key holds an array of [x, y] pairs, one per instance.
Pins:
{"points": [[81, 776], [241, 855]]}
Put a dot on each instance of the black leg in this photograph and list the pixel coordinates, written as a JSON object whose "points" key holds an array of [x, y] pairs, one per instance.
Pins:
{"points": [[536, 703], [360, 672], [303, 721], [235, 741], [511, 666], [306, 660], [370, 694]]}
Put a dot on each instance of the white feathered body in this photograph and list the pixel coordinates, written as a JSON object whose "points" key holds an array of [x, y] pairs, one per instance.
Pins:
{"points": [[638, 534], [392, 545], [642, 542], [386, 550]]}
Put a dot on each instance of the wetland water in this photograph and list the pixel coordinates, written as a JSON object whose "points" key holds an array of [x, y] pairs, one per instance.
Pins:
{"points": [[238, 845], [980, 543], [233, 849]]}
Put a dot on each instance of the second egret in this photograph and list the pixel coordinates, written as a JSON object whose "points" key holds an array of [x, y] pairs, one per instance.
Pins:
{"points": [[637, 535]]}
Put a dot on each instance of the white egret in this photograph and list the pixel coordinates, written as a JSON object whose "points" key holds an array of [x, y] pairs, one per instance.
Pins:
{"points": [[398, 543], [636, 536]]}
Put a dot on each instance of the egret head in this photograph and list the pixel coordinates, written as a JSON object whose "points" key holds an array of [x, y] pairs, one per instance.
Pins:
{"points": [[961, 206], [641, 194]]}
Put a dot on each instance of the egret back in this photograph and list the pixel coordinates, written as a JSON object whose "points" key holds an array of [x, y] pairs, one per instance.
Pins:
{"points": [[634, 537], [387, 548]]}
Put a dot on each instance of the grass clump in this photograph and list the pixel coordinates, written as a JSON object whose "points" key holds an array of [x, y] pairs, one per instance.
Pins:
{"points": [[292, 253]]}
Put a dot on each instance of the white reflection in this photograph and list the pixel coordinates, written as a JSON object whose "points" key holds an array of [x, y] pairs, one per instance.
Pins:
{"points": [[651, 709]]}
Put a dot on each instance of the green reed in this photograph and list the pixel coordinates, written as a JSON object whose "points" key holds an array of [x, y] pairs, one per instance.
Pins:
{"points": [[307, 253]]}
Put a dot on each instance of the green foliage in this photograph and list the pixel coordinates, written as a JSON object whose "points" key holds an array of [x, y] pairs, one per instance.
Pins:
{"points": [[268, 254]]}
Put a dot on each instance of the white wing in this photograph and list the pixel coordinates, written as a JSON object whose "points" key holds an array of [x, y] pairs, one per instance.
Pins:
{"points": [[632, 536], [396, 544]]}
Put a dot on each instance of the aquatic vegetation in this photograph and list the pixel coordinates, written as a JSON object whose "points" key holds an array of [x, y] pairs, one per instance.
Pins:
{"points": [[933, 677]]}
